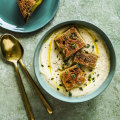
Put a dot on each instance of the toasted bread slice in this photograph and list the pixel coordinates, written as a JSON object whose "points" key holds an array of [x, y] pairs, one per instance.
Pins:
{"points": [[88, 60], [72, 77], [27, 7], [70, 42]]}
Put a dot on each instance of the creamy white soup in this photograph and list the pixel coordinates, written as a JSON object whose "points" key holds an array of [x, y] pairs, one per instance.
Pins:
{"points": [[51, 61]]}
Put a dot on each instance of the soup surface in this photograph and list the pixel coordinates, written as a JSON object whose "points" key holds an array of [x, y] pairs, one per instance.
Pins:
{"points": [[52, 61]]}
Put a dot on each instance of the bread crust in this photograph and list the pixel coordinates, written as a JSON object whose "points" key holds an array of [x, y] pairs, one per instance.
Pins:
{"points": [[25, 6], [72, 77], [89, 60], [70, 42]]}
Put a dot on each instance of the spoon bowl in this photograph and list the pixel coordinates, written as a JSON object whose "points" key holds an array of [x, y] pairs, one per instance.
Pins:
{"points": [[11, 48]]}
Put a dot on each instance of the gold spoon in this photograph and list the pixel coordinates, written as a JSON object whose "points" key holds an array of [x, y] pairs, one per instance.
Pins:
{"points": [[13, 52]]}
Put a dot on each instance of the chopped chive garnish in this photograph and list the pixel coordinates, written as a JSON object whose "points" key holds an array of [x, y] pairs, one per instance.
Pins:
{"points": [[58, 68], [73, 76], [93, 46], [68, 82], [70, 94], [85, 59], [60, 84], [85, 84], [97, 75], [77, 54], [66, 37], [79, 82], [66, 63], [42, 65], [81, 88], [52, 78], [62, 66], [93, 79], [86, 52], [57, 88], [89, 77], [87, 46], [66, 72], [60, 52], [90, 70], [96, 40], [73, 46], [73, 35], [78, 65]]}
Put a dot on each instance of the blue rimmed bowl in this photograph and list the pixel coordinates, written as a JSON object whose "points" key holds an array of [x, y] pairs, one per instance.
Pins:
{"points": [[96, 92]]}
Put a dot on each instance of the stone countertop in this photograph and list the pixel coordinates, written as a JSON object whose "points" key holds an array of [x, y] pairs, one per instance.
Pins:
{"points": [[103, 13]]}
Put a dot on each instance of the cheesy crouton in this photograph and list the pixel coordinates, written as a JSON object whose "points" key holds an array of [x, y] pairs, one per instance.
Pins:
{"points": [[70, 42], [88, 60], [72, 77]]}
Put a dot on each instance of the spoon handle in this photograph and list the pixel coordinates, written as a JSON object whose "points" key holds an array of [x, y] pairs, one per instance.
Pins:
{"points": [[48, 108], [25, 98]]}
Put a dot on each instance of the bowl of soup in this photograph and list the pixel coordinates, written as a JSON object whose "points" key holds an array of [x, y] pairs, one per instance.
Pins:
{"points": [[74, 61]]}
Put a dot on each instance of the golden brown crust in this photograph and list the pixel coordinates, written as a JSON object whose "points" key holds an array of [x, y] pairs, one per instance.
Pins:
{"points": [[70, 42], [72, 77], [25, 6], [88, 60]]}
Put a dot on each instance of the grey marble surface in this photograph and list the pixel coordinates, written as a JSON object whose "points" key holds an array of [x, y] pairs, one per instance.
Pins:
{"points": [[103, 13]]}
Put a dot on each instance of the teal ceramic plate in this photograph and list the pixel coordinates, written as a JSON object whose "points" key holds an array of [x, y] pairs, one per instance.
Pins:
{"points": [[98, 90], [11, 18]]}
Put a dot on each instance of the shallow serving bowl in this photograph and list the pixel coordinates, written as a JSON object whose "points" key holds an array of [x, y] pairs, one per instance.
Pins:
{"points": [[93, 94]]}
